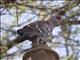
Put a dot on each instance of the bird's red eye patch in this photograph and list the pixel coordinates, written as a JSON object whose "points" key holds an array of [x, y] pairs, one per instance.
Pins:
{"points": [[58, 17]]}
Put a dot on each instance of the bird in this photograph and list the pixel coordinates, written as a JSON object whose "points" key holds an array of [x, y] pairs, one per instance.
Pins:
{"points": [[38, 29], [41, 29]]}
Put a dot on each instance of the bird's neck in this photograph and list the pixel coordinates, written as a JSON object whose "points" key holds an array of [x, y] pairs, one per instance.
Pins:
{"points": [[54, 20]]}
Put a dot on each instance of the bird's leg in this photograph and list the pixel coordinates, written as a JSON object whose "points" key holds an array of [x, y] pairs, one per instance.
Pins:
{"points": [[38, 41], [42, 40]]}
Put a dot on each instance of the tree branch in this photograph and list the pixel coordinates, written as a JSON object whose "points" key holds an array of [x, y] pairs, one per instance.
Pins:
{"points": [[19, 40]]}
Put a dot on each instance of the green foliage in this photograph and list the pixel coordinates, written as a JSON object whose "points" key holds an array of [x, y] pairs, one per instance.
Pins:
{"points": [[71, 57], [3, 50], [71, 6]]}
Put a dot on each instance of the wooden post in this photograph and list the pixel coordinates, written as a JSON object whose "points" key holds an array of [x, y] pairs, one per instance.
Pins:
{"points": [[40, 52]]}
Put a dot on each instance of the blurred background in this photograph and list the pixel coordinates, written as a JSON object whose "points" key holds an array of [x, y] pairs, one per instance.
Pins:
{"points": [[17, 13]]}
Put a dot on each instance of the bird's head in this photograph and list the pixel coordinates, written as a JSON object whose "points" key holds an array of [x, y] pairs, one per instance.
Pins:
{"points": [[57, 19]]}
